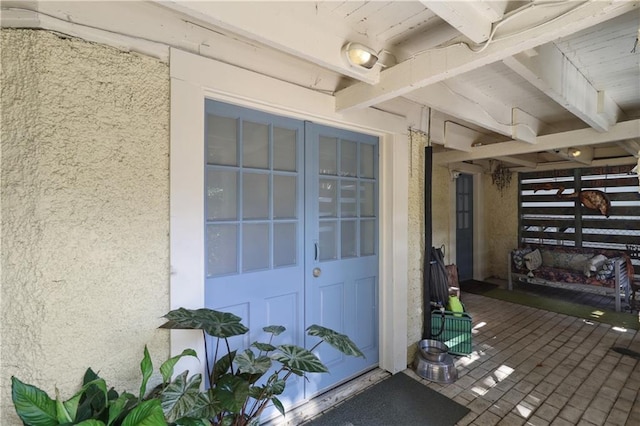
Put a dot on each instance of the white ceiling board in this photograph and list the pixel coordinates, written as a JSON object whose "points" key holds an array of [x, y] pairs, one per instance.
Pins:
{"points": [[470, 18], [552, 72], [436, 65]]}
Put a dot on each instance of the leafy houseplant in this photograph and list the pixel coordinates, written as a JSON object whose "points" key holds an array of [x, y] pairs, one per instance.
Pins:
{"points": [[234, 397]]}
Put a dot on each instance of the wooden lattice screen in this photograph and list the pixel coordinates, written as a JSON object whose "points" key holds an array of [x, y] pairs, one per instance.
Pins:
{"points": [[544, 218]]}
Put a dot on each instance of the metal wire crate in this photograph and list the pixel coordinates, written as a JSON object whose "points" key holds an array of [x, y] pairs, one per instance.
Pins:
{"points": [[454, 330]]}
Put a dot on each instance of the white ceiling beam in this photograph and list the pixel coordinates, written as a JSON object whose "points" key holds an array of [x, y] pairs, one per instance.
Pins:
{"points": [[575, 138], [554, 74], [631, 146], [519, 161], [470, 18], [471, 105], [437, 65], [561, 165], [255, 21], [459, 137]]}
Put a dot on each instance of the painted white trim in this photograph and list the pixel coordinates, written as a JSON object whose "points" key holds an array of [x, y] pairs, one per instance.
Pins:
{"points": [[192, 79]]}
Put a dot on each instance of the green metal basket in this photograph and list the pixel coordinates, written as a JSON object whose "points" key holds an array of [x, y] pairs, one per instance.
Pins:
{"points": [[456, 331]]}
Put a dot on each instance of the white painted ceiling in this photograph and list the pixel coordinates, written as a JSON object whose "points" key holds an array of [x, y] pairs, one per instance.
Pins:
{"points": [[509, 80]]}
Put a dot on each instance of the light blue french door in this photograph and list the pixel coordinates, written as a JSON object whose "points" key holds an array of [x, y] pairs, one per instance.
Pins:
{"points": [[269, 226], [341, 228]]}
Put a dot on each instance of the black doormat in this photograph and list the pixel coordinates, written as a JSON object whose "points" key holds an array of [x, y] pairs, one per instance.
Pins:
{"points": [[398, 400], [476, 287]]}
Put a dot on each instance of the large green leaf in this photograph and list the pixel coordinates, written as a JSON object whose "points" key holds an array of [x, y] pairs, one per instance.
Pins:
{"points": [[248, 363], [166, 369], [214, 323], [90, 422], [278, 405], [32, 404], [117, 407], [339, 341], [62, 414], [148, 413], [182, 397], [230, 392], [274, 329], [297, 358], [93, 400], [264, 347], [146, 367], [222, 366]]}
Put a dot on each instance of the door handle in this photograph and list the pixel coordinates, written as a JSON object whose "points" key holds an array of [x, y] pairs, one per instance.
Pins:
{"points": [[317, 272]]}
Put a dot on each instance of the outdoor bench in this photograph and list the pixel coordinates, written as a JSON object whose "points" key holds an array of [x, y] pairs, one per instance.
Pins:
{"points": [[587, 269]]}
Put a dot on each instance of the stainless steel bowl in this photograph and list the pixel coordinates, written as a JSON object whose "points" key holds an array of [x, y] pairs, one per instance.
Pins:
{"points": [[437, 371], [433, 350], [433, 362]]}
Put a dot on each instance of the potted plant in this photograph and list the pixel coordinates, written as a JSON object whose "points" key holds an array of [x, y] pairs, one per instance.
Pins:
{"points": [[240, 384]]}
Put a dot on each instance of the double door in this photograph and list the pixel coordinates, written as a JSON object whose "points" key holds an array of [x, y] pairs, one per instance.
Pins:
{"points": [[291, 233]]}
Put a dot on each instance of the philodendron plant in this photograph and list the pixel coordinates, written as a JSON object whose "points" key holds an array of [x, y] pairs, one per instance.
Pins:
{"points": [[94, 404], [240, 384]]}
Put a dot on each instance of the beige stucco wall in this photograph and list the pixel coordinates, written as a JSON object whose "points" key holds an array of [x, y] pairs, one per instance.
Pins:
{"points": [[441, 199], [500, 224], [84, 212]]}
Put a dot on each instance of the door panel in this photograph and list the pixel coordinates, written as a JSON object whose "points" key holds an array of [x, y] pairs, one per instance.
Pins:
{"points": [[255, 223], [341, 233]]}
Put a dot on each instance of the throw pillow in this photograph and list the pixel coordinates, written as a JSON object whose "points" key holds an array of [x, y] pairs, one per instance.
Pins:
{"points": [[518, 257], [607, 270], [594, 264], [533, 260]]}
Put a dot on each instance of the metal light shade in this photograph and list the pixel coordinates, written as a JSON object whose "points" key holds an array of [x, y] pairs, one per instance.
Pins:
{"points": [[360, 55]]}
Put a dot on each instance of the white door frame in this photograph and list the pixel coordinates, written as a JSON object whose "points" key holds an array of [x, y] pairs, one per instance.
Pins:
{"points": [[192, 79]]}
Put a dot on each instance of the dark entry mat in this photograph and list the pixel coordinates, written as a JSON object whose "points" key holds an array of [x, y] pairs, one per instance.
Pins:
{"points": [[398, 400]]}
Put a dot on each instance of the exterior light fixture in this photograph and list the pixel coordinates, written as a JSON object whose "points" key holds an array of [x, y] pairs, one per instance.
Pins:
{"points": [[574, 152], [359, 55]]}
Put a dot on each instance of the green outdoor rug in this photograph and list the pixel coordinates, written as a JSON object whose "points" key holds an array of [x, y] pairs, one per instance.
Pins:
{"points": [[398, 400], [617, 319]]}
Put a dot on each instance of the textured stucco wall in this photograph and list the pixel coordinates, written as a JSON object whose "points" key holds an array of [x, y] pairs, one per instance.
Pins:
{"points": [[501, 224], [440, 198], [84, 213]]}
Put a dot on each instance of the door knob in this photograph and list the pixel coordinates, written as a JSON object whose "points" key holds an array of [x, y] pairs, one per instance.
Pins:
{"points": [[317, 272]]}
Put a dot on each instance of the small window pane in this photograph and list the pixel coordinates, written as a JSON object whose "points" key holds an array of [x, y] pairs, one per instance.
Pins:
{"points": [[284, 197], [255, 145], [328, 240], [367, 200], [255, 247], [284, 149], [348, 159], [327, 199], [367, 237], [328, 156], [222, 187], [222, 146], [366, 160], [222, 250], [255, 196], [348, 239], [284, 244], [348, 198]]}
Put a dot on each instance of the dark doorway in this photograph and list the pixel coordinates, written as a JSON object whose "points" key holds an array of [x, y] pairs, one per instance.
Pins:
{"points": [[464, 226]]}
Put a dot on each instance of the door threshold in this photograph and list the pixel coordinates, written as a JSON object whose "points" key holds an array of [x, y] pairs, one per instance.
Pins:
{"points": [[328, 400]]}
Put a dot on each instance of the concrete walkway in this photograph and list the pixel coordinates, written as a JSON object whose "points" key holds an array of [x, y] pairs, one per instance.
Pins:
{"points": [[534, 367], [528, 367]]}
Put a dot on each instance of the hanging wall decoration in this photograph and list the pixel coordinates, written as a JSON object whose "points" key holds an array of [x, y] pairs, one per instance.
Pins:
{"points": [[501, 177]]}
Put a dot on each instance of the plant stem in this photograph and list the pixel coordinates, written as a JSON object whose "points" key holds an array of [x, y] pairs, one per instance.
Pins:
{"points": [[206, 355]]}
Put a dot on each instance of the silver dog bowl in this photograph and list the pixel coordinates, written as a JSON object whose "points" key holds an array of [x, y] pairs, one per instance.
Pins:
{"points": [[433, 350], [442, 370]]}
